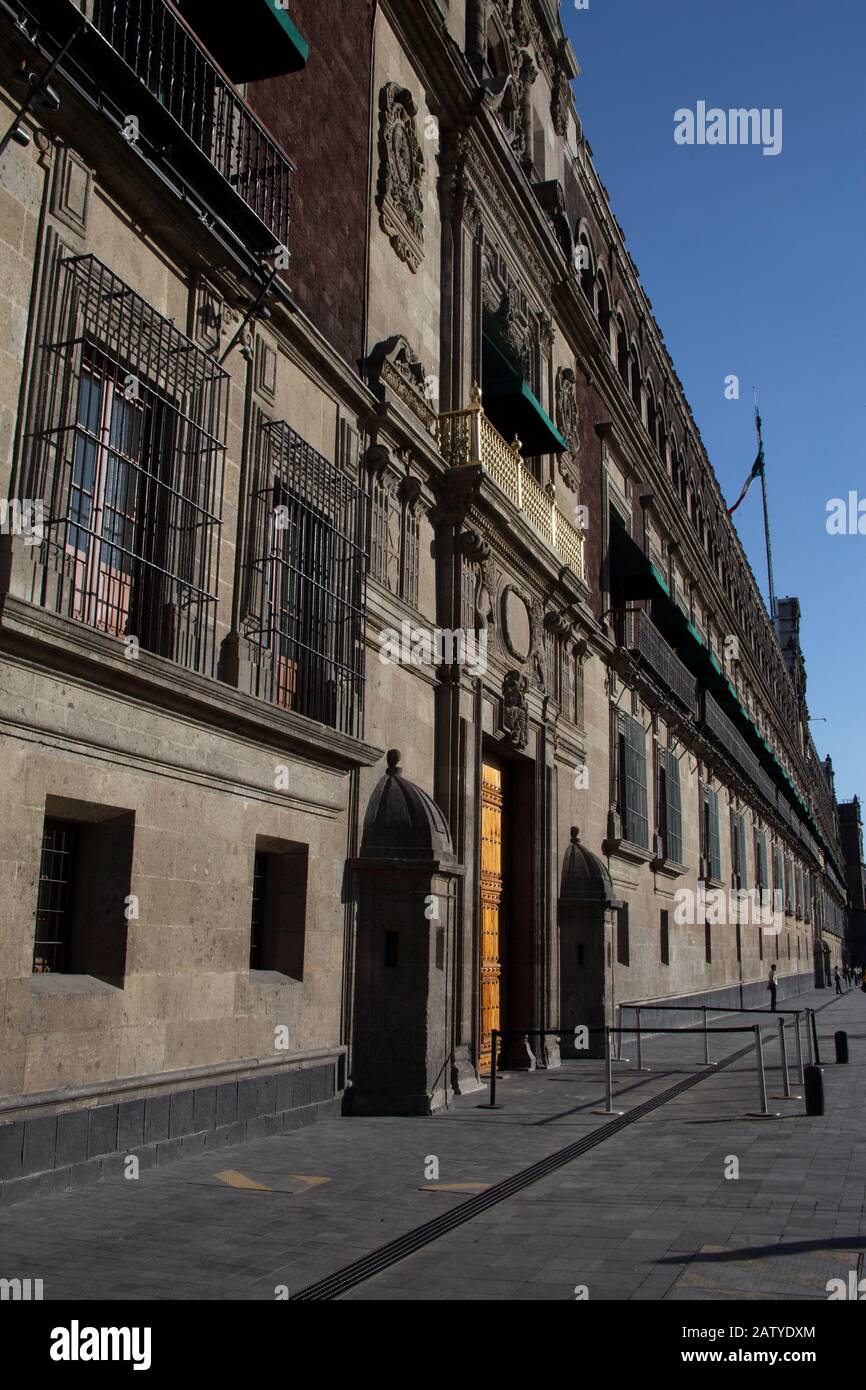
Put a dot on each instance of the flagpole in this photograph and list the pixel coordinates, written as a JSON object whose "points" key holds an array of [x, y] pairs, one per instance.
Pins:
{"points": [[766, 512]]}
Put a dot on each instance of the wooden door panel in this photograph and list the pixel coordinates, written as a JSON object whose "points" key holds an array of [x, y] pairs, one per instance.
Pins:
{"points": [[490, 984]]}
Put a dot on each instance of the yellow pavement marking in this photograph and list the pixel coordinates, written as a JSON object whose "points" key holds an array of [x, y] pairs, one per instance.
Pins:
{"points": [[232, 1178], [308, 1180], [454, 1187]]}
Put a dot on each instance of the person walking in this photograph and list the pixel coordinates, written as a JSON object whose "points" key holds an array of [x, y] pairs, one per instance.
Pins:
{"points": [[838, 978], [771, 986]]}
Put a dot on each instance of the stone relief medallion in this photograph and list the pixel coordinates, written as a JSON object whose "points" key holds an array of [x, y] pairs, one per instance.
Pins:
{"points": [[515, 713], [568, 424], [400, 195], [516, 624]]}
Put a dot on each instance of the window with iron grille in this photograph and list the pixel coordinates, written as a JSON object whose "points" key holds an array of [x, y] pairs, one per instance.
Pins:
{"points": [[127, 449], [305, 581], [664, 939], [670, 815], [789, 884], [631, 779], [778, 875], [761, 878], [711, 847], [738, 851], [85, 870], [55, 904]]}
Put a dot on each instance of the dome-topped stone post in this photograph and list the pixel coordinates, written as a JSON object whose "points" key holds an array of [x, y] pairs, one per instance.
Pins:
{"points": [[403, 1026]]}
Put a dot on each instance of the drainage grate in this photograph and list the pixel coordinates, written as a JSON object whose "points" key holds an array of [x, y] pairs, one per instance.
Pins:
{"points": [[378, 1260]]}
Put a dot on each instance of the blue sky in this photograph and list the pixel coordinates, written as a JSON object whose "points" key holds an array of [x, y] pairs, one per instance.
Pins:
{"points": [[754, 265]]}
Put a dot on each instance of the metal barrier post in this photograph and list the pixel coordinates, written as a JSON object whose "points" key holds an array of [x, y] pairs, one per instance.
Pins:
{"points": [[706, 1039], [494, 1039], [608, 1077], [783, 1053], [639, 1045], [809, 1040], [762, 1083], [815, 1039], [799, 1048]]}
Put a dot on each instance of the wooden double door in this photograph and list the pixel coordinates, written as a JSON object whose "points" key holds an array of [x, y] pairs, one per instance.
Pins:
{"points": [[494, 903]]}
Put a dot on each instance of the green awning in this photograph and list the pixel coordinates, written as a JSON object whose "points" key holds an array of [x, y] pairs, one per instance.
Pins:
{"points": [[513, 408], [262, 42]]}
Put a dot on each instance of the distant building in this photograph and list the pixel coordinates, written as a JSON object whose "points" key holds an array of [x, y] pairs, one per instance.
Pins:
{"points": [[851, 834]]}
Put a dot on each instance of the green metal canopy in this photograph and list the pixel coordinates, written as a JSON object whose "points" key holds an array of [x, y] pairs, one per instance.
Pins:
{"points": [[513, 408], [260, 41]]}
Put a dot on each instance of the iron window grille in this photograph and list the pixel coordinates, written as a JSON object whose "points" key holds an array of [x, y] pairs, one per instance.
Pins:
{"points": [[257, 909], [670, 806], [306, 576], [127, 452], [168, 60], [631, 779], [55, 903]]}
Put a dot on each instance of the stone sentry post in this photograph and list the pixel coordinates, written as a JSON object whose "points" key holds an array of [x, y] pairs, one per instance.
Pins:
{"points": [[403, 1030], [586, 908]]}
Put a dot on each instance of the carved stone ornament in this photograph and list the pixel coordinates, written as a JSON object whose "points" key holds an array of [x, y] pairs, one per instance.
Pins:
{"points": [[477, 550], [394, 366], [559, 101], [516, 623], [536, 624], [400, 195], [568, 424], [515, 714]]}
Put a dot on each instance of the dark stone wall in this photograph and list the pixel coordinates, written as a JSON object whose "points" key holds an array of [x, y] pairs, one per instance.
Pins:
{"points": [[321, 117], [58, 1152]]}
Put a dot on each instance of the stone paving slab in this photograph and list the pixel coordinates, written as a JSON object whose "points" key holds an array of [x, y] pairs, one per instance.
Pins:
{"points": [[625, 1219]]}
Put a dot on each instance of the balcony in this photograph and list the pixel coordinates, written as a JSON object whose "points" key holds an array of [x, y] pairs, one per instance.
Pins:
{"points": [[166, 58], [655, 653], [466, 437], [733, 743]]}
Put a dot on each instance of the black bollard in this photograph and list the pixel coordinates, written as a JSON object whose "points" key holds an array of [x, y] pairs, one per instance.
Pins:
{"points": [[813, 1088], [841, 1041]]}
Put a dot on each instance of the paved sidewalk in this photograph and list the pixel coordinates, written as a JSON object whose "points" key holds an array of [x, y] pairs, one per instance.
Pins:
{"points": [[647, 1213]]}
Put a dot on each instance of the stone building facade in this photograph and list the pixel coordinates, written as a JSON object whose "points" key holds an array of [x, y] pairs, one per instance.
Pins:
{"points": [[334, 420]]}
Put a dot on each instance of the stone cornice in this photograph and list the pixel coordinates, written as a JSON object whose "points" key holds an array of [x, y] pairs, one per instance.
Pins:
{"points": [[67, 648]]}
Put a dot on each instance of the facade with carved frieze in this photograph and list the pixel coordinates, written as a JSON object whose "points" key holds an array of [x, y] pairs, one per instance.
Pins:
{"points": [[335, 422]]}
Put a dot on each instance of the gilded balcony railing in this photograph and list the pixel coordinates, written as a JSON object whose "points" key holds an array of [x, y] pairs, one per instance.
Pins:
{"points": [[468, 437]]}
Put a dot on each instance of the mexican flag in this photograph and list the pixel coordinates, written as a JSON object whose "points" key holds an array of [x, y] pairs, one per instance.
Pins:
{"points": [[757, 470]]}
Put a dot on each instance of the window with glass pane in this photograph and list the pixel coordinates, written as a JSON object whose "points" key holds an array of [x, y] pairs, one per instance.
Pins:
{"points": [[632, 780], [670, 806]]}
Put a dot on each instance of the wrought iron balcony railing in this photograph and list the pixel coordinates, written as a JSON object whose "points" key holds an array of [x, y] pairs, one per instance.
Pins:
{"points": [[734, 744], [468, 437], [652, 648], [167, 59]]}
